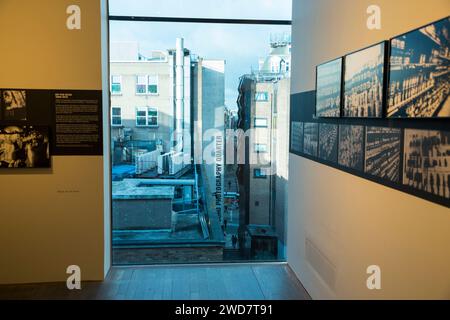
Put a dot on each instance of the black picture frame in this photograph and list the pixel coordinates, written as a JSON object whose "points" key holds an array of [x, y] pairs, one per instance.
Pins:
{"points": [[341, 86], [396, 115], [384, 78]]}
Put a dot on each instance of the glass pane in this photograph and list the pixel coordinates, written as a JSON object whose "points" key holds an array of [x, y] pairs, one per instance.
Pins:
{"points": [[152, 121], [141, 80], [117, 121], [116, 111], [115, 79], [153, 89], [140, 89], [260, 122], [202, 200], [219, 9], [141, 121], [262, 96], [116, 88], [152, 80]]}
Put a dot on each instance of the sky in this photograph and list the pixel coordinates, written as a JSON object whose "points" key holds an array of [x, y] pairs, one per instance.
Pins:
{"points": [[239, 45]]}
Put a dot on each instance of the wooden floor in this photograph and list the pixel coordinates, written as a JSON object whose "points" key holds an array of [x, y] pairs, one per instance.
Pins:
{"points": [[202, 282]]}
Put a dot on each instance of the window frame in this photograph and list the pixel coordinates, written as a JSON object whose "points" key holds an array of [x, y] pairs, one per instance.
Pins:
{"points": [[156, 76], [260, 126], [115, 116], [124, 84], [113, 83], [147, 117], [156, 117], [146, 85], [265, 93]]}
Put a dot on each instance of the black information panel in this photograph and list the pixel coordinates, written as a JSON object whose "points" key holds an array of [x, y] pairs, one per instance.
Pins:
{"points": [[78, 122], [410, 155], [73, 117]]}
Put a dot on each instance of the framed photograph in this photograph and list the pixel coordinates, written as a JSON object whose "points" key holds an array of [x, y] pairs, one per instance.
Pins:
{"points": [[24, 147], [329, 89], [14, 104], [383, 150], [328, 142], [311, 137], [351, 146], [297, 136], [364, 76], [427, 161], [419, 76]]}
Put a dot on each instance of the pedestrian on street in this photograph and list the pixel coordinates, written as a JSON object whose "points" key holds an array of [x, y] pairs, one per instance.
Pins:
{"points": [[234, 241]]}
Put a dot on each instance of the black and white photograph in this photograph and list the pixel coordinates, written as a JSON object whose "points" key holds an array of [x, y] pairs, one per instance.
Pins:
{"points": [[419, 83], [364, 82], [328, 142], [14, 104], [382, 156], [351, 150], [329, 84], [24, 147], [311, 137], [427, 161], [297, 136]]}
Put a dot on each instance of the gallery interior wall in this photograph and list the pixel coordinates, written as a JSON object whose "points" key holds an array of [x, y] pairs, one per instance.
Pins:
{"points": [[339, 224], [54, 218]]}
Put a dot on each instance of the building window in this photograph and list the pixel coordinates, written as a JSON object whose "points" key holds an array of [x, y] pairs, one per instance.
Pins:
{"points": [[260, 123], [152, 84], [262, 96], [146, 116], [152, 116], [260, 147], [259, 173], [116, 84], [141, 85], [116, 116], [147, 84]]}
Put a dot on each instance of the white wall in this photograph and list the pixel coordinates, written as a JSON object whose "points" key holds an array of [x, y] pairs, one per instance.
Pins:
{"points": [[339, 224], [43, 227]]}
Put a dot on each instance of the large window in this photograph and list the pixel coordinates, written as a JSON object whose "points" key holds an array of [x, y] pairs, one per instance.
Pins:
{"points": [[189, 70]]}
